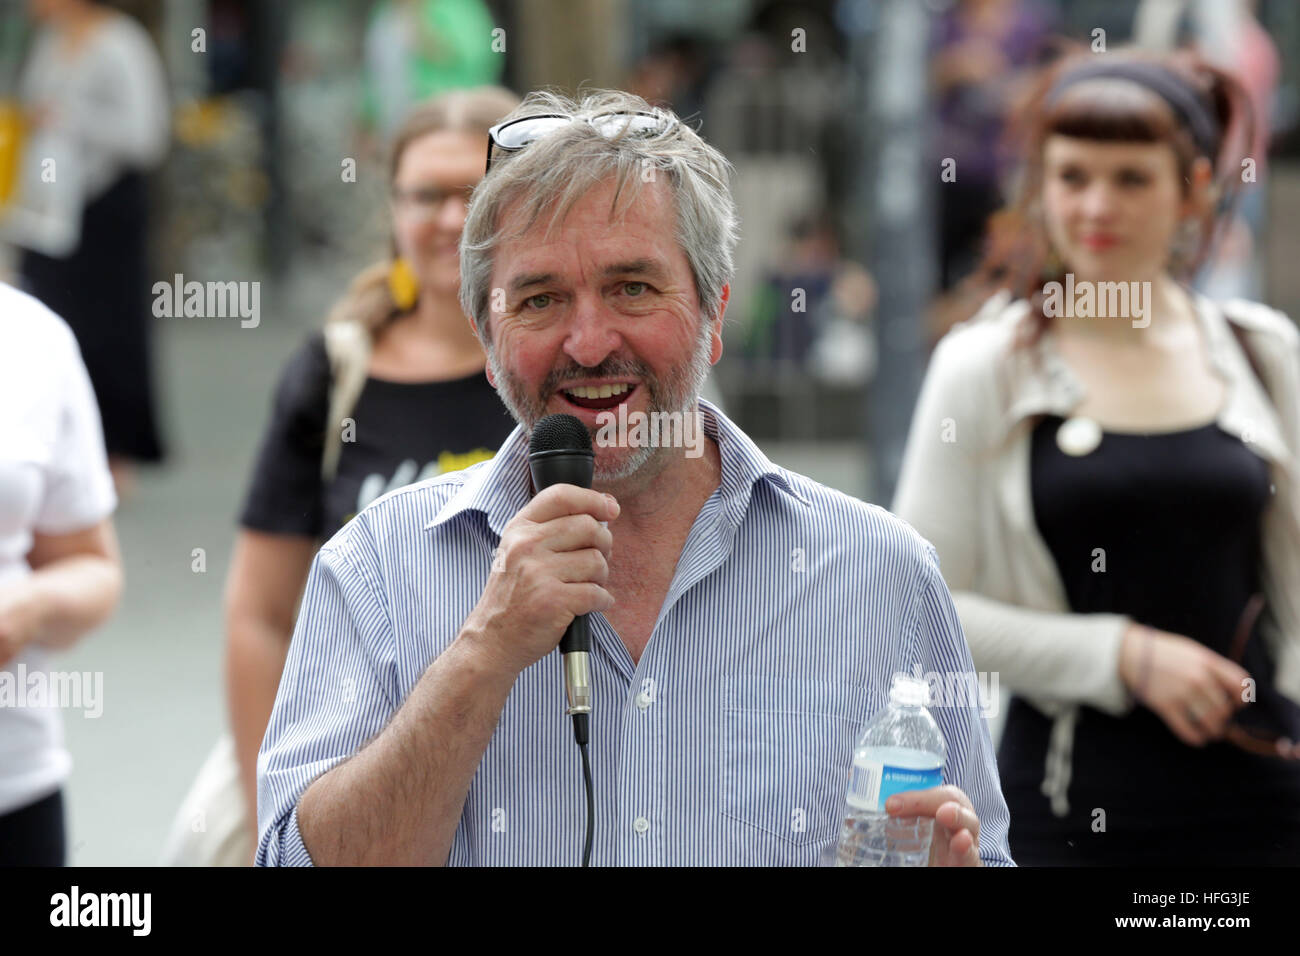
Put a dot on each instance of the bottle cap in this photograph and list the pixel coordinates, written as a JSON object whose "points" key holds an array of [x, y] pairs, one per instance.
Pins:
{"points": [[909, 691]]}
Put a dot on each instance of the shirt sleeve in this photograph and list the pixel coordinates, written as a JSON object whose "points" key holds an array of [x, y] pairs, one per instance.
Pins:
{"points": [[959, 702], [285, 495], [79, 487], [338, 690]]}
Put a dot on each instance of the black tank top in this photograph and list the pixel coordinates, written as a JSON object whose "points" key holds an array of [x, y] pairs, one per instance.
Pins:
{"points": [[1164, 528]]}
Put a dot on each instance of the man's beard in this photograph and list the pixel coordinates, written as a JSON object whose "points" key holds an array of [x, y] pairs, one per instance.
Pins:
{"points": [[677, 393]]}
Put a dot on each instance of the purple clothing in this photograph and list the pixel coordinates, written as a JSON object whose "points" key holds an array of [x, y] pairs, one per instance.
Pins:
{"points": [[968, 117]]}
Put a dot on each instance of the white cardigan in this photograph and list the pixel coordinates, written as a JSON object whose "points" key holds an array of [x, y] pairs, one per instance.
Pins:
{"points": [[964, 485]]}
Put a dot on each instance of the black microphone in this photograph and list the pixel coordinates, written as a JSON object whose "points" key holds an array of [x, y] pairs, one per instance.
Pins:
{"points": [[560, 453]]}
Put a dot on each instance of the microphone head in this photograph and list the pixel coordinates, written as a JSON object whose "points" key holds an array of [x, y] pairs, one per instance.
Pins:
{"points": [[560, 433]]}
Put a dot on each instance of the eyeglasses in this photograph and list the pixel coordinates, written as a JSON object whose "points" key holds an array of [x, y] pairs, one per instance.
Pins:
{"points": [[427, 201], [517, 134]]}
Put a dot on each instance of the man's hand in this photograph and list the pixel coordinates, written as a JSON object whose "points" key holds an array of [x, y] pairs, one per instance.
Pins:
{"points": [[956, 840], [551, 566]]}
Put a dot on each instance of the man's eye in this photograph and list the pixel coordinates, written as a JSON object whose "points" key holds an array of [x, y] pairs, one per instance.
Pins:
{"points": [[539, 301], [635, 289], [1073, 177], [1132, 179]]}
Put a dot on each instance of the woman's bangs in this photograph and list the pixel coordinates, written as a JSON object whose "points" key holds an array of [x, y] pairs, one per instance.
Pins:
{"points": [[1110, 110]]}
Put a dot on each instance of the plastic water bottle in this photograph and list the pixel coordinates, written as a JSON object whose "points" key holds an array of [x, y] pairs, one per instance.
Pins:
{"points": [[900, 749]]}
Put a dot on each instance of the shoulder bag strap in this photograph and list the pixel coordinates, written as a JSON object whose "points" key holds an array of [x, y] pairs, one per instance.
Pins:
{"points": [[348, 346]]}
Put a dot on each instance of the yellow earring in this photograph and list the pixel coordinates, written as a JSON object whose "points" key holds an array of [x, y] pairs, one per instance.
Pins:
{"points": [[402, 284]]}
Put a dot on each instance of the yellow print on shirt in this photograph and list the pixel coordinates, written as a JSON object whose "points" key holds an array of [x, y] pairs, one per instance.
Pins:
{"points": [[373, 486], [456, 461]]}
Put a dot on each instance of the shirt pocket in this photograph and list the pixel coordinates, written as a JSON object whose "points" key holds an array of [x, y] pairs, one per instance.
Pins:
{"points": [[788, 748]]}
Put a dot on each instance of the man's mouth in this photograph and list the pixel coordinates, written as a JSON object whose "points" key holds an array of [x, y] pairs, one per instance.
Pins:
{"points": [[599, 397]]}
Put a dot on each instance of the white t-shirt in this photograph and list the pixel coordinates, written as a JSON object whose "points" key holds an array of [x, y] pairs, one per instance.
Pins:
{"points": [[54, 479], [109, 100]]}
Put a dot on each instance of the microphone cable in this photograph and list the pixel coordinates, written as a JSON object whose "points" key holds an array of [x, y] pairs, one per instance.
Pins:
{"points": [[581, 727]]}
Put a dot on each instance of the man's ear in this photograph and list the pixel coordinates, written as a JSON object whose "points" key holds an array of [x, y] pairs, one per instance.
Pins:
{"points": [[715, 352], [485, 342]]}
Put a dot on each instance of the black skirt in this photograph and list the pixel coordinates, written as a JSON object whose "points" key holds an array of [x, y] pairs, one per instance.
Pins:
{"points": [[102, 290], [1139, 796], [34, 835]]}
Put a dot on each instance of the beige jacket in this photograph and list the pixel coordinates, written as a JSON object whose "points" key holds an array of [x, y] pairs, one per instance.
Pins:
{"points": [[964, 485]]}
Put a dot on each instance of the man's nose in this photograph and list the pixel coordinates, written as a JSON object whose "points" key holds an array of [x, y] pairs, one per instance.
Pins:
{"points": [[592, 334]]}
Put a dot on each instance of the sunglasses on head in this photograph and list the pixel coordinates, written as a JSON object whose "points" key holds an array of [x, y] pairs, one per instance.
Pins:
{"points": [[520, 133]]}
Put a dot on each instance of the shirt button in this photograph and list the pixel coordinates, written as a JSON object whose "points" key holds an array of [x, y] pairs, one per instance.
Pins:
{"points": [[644, 700], [641, 824]]}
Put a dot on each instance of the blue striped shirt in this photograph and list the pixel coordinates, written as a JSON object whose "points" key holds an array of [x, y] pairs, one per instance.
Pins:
{"points": [[728, 743]]}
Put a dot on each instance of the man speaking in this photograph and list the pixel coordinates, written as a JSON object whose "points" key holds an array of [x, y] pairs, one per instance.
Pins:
{"points": [[745, 621]]}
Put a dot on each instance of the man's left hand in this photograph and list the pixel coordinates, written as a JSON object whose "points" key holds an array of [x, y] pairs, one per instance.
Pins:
{"points": [[956, 840]]}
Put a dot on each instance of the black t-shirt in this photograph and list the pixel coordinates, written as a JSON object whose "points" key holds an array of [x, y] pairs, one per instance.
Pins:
{"points": [[404, 432]]}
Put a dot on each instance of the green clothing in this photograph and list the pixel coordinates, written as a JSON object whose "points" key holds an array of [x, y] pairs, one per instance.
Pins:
{"points": [[451, 47]]}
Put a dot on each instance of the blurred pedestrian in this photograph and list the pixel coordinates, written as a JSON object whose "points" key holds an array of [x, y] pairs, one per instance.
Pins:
{"points": [[675, 73], [979, 52], [415, 49], [813, 306], [94, 78], [60, 572], [1110, 482]]}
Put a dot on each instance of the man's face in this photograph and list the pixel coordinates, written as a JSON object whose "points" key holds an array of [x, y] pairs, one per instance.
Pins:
{"points": [[600, 303]]}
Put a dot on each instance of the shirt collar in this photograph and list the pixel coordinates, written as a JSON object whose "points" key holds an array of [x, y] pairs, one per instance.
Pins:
{"points": [[500, 487]]}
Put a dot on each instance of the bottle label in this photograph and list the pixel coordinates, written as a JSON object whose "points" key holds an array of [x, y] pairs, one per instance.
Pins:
{"points": [[875, 781]]}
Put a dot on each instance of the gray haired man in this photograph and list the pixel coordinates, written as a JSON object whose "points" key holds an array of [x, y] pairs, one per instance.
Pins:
{"points": [[746, 620]]}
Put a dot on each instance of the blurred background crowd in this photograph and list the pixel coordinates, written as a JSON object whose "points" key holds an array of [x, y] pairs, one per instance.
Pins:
{"points": [[261, 157]]}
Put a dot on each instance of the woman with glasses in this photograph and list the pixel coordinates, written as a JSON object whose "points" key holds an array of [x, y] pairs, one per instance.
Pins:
{"points": [[392, 391], [1107, 464]]}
